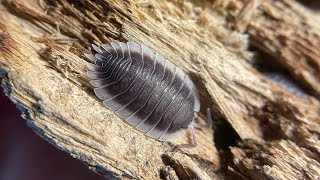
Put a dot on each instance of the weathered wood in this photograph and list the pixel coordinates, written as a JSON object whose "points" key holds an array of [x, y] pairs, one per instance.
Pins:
{"points": [[43, 71], [290, 34]]}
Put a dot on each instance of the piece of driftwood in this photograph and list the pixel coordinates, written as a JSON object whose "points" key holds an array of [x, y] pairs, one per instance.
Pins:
{"points": [[261, 131]]}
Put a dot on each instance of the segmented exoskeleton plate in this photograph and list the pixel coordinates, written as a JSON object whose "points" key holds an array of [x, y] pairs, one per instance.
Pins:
{"points": [[143, 88]]}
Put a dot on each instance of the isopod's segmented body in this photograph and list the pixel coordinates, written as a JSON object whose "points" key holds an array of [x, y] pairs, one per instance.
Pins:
{"points": [[144, 88]]}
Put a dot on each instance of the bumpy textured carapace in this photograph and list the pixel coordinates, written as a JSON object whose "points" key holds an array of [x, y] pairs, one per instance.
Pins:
{"points": [[144, 89]]}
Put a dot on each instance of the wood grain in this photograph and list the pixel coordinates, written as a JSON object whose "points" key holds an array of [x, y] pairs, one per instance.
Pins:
{"points": [[272, 133]]}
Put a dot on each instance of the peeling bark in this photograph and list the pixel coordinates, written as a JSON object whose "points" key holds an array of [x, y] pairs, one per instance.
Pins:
{"points": [[271, 134]]}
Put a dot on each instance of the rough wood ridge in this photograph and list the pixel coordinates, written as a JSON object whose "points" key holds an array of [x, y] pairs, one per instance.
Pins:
{"points": [[261, 131]]}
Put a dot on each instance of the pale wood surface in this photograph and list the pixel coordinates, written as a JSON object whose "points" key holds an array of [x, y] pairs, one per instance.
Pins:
{"points": [[276, 132]]}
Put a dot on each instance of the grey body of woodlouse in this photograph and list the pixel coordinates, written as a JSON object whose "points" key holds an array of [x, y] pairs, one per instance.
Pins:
{"points": [[144, 88]]}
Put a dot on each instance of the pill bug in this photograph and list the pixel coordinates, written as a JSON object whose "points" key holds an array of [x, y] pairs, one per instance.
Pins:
{"points": [[143, 88]]}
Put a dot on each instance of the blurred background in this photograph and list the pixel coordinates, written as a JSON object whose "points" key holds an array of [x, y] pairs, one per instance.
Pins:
{"points": [[26, 156]]}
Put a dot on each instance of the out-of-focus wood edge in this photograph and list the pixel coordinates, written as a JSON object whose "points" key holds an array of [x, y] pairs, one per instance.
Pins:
{"points": [[282, 159], [290, 33], [45, 78]]}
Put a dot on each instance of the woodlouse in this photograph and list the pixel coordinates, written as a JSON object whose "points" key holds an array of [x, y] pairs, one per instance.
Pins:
{"points": [[145, 89]]}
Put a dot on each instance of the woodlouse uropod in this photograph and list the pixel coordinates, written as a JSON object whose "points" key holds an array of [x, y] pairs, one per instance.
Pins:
{"points": [[145, 89]]}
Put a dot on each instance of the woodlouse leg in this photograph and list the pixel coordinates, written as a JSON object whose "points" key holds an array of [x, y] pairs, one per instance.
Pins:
{"points": [[191, 145], [209, 121], [192, 126]]}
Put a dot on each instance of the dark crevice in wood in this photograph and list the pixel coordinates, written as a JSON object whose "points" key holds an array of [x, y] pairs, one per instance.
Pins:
{"points": [[312, 4], [225, 137], [267, 64]]}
